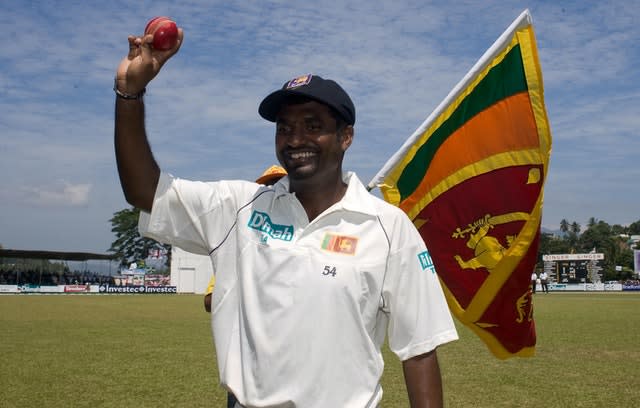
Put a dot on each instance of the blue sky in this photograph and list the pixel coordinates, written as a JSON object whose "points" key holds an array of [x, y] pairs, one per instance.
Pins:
{"points": [[397, 59]]}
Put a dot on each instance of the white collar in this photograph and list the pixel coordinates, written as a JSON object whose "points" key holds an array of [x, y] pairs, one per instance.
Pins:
{"points": [[356, 198]]}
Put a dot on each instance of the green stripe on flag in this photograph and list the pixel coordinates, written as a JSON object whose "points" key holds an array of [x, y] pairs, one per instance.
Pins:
{"points": [[504, 80]]}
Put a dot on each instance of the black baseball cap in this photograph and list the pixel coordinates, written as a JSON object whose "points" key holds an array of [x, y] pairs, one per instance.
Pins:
{"points": [[314, 87]]}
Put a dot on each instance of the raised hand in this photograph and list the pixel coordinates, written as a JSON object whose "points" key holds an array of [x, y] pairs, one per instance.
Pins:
{"points": [[142, 63]]}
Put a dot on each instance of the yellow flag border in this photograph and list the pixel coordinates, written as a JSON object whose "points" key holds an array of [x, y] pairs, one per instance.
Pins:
{"points": [[496, 348], [533, 74]]}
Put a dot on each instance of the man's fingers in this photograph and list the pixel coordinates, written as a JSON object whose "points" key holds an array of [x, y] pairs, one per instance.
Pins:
{"points": [[133, 48], [144, 62], [145, 47], [179, 42]]}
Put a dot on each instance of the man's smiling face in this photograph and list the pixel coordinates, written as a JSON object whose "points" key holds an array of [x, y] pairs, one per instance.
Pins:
{"points": [[308, 143]]}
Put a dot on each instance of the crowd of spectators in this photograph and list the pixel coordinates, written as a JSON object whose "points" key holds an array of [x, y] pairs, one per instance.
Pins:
{"points": [[13, 276]]}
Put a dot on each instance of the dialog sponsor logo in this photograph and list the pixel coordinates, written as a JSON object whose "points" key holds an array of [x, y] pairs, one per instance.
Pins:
{"points": [[29, 288], [260, 221]]}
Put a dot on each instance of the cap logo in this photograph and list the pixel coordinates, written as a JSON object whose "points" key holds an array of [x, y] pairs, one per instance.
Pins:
{"points": [[299, 81]]}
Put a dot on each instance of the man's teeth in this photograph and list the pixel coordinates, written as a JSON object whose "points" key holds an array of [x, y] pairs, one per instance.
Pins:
{"points": [[301, 155]]}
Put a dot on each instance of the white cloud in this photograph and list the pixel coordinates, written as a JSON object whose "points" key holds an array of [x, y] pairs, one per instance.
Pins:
{"points": [[61, 194]]}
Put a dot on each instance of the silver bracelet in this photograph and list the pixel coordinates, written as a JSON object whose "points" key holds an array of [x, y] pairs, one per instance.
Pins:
{"points": [[127, 96]]}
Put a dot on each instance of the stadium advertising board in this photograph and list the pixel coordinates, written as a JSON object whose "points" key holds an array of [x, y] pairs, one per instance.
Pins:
{"points": [[631, 285], [9, 289], [110, 289], [29, 288], [52, 289], [77, 288], [585, 287]]}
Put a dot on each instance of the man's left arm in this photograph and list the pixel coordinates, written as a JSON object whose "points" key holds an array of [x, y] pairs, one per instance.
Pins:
{"points": [[423, 380]]}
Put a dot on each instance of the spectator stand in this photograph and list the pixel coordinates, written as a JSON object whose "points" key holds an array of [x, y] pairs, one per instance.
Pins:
{"points": [[27, 271]]}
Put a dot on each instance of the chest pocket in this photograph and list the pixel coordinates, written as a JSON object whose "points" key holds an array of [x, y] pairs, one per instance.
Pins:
{"points": [[344, 281]]}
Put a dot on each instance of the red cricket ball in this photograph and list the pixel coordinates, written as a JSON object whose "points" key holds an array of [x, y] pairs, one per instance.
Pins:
{"points": [[165, 32]]}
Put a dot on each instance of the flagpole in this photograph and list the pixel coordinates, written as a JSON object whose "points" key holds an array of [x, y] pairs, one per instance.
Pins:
{"points": [[523, 20]]}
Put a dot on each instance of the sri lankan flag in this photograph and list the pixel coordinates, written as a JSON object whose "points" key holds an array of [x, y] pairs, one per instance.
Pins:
{"points": [[471, 179]]}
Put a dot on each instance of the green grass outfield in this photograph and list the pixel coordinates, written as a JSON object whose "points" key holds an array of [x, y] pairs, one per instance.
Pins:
{"points": [[156, 351]]}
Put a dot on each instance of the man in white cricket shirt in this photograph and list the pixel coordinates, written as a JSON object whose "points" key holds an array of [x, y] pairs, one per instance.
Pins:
{"points": [[311, 273]]}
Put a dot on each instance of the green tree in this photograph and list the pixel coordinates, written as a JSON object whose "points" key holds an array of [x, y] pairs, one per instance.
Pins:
{"points": [[575, 228], [564, 225], [572, 236], [552, 244], [625, 259], [634, 228], [600, 236], [129, 245], [618, 229]]}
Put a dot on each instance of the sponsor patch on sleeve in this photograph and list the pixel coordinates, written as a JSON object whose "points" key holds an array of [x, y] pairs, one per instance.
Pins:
{"points": [[340, 244], [426, 262]]}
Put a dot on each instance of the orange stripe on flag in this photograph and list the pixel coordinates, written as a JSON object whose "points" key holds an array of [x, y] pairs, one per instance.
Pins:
{"points": [[499, 134]]}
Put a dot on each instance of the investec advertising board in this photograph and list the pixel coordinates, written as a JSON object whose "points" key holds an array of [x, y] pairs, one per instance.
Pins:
{"points": [[81, 289], [109, 289]]}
